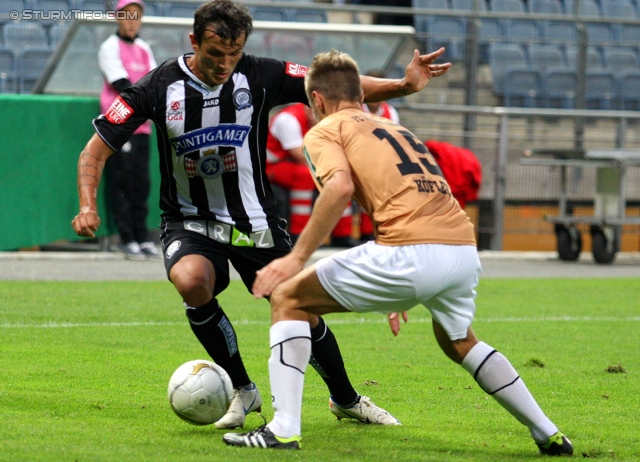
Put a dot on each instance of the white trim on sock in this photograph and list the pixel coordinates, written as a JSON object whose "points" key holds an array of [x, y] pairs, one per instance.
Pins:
{"points": [[284, 330], [475, 357]]}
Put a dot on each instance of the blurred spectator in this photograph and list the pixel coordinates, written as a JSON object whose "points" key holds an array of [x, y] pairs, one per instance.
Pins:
{"points": [[381, 109], [287, 168], [124, 59], [460, 167]]}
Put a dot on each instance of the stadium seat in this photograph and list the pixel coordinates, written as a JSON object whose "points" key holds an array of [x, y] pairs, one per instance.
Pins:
{"points": [[431, 4], [501, 58], [545, 6], [629, 85], [56, 32], [601, 90], [543, 56], [29, 66], [467, 5], [594, 59], [600, 33], [522, 29], [7, 71], [629, 34], [7, 6], [448, 32], [622, 9], [620, 59], [51, 5], [489, 29], [92, 5], [560, 32], [507, 6], [522, 87], [588, 8], [180, 10], [420, 20], [618, 9], [153, 9], [493, 30], [558, 87], [269, 14], [300, 15], [21, 35]]}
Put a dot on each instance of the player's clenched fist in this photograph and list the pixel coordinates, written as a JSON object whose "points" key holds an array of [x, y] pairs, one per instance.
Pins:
{"points": [[86, 223]]}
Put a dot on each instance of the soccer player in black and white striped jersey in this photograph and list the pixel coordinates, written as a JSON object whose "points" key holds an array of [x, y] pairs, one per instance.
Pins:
{"points": [[211, 110]]}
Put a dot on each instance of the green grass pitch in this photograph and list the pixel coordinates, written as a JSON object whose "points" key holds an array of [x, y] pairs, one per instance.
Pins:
{"points": [[84, 368]]}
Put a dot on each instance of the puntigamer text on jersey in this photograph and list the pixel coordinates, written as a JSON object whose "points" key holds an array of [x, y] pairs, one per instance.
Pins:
{"points": [[220, 135]]}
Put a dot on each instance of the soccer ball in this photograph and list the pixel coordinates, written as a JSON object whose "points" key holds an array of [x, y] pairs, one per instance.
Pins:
{"points": [[200, 392]]}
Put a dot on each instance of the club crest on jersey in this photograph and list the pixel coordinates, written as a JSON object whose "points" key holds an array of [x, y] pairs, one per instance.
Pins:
{"points": [[232, 135], [210, 166], [295, 70], [242, 99], [119, 111], [207, 168]]}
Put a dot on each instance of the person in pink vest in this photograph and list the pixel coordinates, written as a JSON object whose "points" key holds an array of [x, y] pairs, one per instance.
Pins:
{"points": [[287, 168], [124, 59]]}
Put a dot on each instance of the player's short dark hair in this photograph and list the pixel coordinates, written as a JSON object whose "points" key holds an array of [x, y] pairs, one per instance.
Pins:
{"points": [[335, 75], [229, 19]]}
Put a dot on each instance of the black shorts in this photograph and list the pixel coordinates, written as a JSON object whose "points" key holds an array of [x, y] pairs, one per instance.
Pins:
{"points": [[246, 260]]}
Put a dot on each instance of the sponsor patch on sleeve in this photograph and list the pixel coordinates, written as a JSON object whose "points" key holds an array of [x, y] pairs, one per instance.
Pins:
{"points": [[119, 112], [295, 70]]}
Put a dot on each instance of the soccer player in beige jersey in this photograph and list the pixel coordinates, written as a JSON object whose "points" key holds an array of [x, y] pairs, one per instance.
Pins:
{"points": [[424, 253]]}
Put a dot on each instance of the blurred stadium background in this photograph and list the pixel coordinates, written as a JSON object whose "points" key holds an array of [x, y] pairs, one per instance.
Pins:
{"points": [[533, 80]]}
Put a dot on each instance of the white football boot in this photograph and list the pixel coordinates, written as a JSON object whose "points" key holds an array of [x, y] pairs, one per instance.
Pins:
{"points": [[365, 411], [244, 401]]}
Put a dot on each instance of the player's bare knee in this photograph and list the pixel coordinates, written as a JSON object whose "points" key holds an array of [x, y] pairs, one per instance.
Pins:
{"points": [[283, 305], [280, 299], [193, 287]]}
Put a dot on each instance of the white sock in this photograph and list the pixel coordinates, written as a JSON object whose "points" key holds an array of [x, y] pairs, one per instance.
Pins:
{"points": [[497, 377], [290, 351]]}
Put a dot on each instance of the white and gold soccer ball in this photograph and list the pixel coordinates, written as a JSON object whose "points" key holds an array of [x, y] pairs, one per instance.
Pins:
{"points": [[200, 392]]}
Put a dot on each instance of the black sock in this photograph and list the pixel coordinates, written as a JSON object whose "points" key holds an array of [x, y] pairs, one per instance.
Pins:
{"points": [[326, 359], [216, 334]]}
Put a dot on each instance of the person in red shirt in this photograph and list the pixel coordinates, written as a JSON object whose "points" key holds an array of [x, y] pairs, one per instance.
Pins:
{"points": [[460, 167], [287, 168]]}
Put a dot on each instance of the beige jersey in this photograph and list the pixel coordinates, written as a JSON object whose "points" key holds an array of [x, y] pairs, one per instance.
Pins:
{"points": [[396, 180]]}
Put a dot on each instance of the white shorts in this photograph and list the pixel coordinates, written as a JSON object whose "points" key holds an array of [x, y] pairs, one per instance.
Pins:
{"points": [[392, 279]]}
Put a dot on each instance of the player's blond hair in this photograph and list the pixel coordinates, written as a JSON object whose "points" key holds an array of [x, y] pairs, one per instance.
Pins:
{"points": [[335, 75]]}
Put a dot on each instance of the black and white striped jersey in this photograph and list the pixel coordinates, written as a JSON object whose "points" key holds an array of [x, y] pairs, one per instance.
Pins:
{"points": [[211, 140]]}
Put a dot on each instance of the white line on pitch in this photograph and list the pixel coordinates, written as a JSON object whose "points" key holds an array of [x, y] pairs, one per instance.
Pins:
{"points": [[380, 320]]}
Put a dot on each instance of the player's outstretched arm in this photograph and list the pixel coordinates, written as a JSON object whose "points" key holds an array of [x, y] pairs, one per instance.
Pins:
{"points": [[420, 70], [90, 166]]}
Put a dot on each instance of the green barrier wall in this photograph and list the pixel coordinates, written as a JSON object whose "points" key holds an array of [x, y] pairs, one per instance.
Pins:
{"points": [[42, 137]]}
